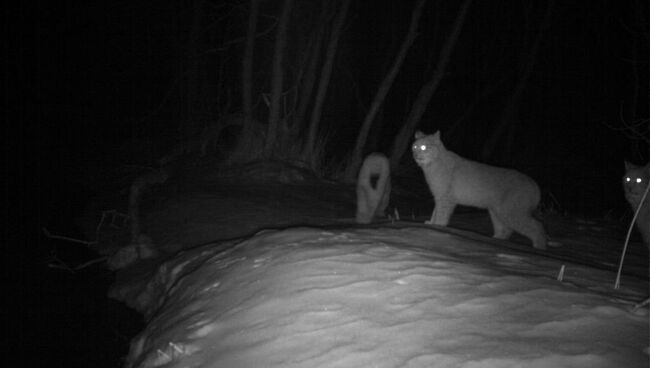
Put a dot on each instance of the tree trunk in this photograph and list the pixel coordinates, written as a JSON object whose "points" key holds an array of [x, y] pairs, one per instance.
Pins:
{"points": [[247, 70], [356, 156], [191, 123], [509, 113], [634, 125], [424, 96], [326, 73], [277, 79], [307, 87]]}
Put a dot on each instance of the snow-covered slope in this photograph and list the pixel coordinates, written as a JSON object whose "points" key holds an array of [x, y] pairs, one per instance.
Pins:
{"points": [[384, 297]]}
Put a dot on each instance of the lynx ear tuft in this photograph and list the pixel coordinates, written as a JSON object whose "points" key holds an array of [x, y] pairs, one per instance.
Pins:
{"points": [[419, 135], [436, 136]]}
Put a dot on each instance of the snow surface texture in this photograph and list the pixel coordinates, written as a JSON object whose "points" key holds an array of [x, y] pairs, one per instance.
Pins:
{"points": [[410, 297]]}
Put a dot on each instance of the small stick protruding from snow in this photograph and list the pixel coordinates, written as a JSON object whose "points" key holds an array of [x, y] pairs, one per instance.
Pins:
{"points": [[617, 283], [560, 275], [396, 213], [642, 304]]}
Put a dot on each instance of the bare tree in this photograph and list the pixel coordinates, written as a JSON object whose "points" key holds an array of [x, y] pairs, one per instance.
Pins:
{"points": [[509, 113], [312, 59], [277, 79], [324, 79], [403, 138], [190, 123], [635, 121], [247, 68], [356, 156]]}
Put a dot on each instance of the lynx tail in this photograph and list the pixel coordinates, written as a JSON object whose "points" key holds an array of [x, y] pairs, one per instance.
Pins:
{"points": [[373, 188]]}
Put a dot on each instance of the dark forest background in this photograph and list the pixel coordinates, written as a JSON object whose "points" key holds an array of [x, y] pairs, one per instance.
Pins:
{"points": [[552, 88], [99, 93]]}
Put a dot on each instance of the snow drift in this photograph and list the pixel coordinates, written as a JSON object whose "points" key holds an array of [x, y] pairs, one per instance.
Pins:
{"points": [[411, 297]]}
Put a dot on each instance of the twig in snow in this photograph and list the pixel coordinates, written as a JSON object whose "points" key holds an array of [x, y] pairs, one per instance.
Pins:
{"points": [[560, 275], [641, 304]]}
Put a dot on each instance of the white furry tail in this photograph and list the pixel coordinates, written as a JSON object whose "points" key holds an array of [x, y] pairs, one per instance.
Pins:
{"points": [[373, 188]]}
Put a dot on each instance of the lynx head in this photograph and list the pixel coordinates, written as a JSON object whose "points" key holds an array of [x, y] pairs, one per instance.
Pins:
{"points": [[636, 179], [426, 148]]}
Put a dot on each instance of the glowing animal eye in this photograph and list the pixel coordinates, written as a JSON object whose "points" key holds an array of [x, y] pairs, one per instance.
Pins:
{"points": [[638, 180], [627, 179], [423, 147]]}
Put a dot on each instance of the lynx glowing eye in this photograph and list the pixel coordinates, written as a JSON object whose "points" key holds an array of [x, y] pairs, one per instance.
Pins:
{"points": [[638, 180], [627, 180], [423, 147]]}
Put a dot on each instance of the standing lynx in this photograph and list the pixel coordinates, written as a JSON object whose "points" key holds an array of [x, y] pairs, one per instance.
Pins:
{"points": [[509, 196], [635, 183], [373, 188]]}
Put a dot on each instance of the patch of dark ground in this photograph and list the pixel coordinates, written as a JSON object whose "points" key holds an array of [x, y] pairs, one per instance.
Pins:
{"points": [[63, 318], [80, 327]]}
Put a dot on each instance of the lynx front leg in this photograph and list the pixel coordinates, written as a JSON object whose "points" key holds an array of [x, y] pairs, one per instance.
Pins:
{"points": [[433, 217], [441, 213]]}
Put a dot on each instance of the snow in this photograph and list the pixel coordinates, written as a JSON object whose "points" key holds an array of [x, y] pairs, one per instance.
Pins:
{"points": [[384, 297]]}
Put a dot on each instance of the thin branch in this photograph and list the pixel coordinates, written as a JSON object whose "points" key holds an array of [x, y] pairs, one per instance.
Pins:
{"points": [[237, 40], [66, 238]]}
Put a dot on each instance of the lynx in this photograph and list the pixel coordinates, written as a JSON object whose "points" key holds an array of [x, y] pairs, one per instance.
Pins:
{"points": [[509, 196], [635, 183], [373, 188]]}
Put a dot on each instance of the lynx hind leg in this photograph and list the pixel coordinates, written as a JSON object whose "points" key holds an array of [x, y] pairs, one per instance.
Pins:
{"points": [[501, 231], [534, 230], [523, 222], [516, 212]]}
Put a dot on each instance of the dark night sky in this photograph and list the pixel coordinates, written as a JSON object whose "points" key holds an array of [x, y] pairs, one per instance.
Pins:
{"points": [[89, 79]]}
